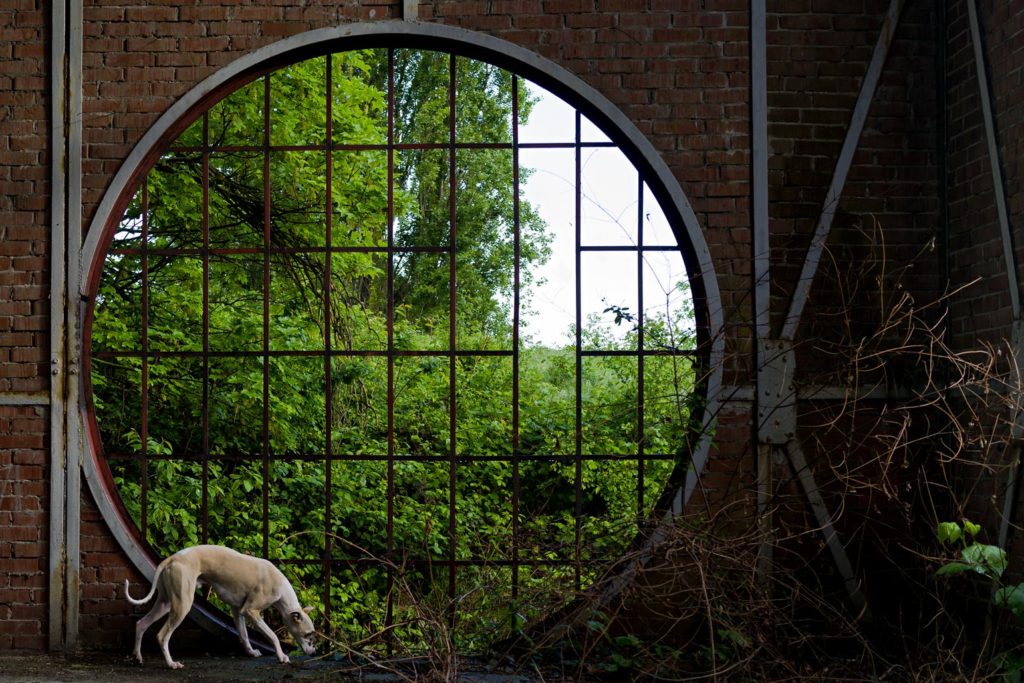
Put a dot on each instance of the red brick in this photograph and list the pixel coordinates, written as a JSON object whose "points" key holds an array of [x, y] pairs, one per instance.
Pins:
{"points": [[152, 44], [151, 13], [30, 641]]}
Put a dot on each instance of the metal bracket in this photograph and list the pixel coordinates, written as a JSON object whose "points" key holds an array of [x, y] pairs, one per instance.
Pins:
{"points": [[776, 396]]}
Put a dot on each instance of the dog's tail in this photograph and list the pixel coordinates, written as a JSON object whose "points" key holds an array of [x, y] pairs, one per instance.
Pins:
{"points": [[152, 589]]}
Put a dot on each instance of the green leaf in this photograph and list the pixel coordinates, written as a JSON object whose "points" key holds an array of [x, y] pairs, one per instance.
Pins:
{"points": [[985, 559], [971, 528], [627, 641], [1011, 664], [1012, 598], [949, 532], [621, 661], [953, 568]]}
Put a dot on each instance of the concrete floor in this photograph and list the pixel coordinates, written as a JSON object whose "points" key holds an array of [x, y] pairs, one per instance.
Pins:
{"points": [[46, 668], [114, 668]]}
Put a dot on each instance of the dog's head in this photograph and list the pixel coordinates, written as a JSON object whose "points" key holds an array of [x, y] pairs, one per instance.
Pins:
{"points": [[302, 629]]}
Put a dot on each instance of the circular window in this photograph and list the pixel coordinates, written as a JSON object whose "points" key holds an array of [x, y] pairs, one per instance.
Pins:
{"points": [[404, 322]]}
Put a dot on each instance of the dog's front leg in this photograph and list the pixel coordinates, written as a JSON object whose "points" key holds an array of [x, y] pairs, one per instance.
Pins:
{"points": [[243, 634], [268, 632]]}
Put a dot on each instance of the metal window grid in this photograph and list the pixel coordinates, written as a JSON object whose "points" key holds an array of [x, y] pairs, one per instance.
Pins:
{"points": [[515, 559]]}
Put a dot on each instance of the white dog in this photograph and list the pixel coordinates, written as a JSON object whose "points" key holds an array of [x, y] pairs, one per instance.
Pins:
{"points": [[249, 584]]}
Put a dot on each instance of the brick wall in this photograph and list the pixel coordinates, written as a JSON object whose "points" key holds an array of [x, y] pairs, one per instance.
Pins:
{"points": [[24, 327], [975, 245], [816, 63], [982, 311], [882, 243], [23, 528], [679, 69], [24, 204]]}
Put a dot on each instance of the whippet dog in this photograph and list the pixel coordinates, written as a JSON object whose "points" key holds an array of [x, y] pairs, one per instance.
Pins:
{"points": [[248, 584]]}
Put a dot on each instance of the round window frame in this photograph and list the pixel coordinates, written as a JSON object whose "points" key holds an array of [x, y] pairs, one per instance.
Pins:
{"points": [[520, 61]]}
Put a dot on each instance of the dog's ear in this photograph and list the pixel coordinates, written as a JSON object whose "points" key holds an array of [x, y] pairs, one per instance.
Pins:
{"points": [[308, 610]]}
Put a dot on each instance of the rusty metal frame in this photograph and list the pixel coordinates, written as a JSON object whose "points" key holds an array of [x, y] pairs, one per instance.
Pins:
{"points": [[498, 52], [452, 353], [516, 310]]}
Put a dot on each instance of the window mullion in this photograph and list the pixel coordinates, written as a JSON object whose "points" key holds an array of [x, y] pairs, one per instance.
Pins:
{"points": [[517, 255], [266, 316], [640, 350], [205, 503], [389, 610], [452, 434], [328, 384], [144, 398], [578, 447]]}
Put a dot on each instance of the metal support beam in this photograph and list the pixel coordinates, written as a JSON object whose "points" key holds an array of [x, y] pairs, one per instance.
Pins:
{"points": [[73, 329], [835, 189], [765, 521], [1009, 258], [762, 250], [759, 166], [985, 95], [58, 304], [1013, 447], [776, 432], [826, 525], [776, 394], [66, 241]]}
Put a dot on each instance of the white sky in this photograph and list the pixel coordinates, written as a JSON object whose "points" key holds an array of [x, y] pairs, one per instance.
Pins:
{"points": [[609, 217]]}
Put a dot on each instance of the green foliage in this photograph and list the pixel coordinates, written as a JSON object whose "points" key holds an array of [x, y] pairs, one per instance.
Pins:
{"points": [[204, 422], [991, 562], [1011, 598], [988, 560]]}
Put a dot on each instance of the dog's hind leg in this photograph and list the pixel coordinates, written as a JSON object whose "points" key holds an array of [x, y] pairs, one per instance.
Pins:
{"points": [[164, 636], [160, 608], [181, 589]]}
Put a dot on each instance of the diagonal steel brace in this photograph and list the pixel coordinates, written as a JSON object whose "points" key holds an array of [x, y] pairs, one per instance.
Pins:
{"points": [[776, 414]]}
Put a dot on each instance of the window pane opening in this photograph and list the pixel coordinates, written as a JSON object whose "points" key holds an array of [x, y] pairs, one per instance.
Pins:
{"points": [[408, 325]]}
